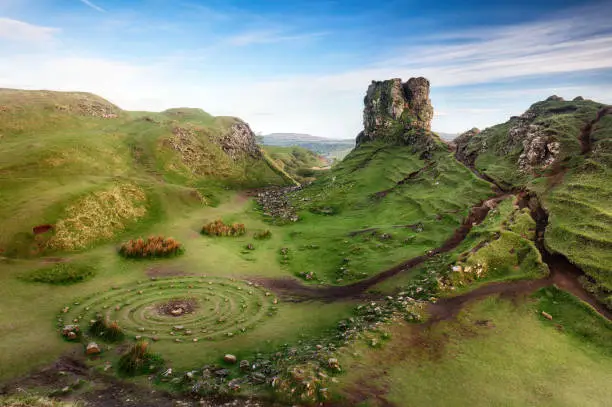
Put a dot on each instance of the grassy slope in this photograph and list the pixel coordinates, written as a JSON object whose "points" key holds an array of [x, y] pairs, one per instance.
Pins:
{"points": [[439, 198], [580, 209], [296, 161], [517, 359], [56, 149]]}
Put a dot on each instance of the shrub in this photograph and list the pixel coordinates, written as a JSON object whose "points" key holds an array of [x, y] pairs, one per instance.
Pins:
{"points": [[153, 246], [105, 329], [138, 360], [266, 234], [218, 228], [61, 273]]}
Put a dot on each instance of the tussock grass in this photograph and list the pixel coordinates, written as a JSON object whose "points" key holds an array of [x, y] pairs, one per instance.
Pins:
{"points": [[218, 228], [105, 329], [153, 246], [99, 215], [139, 360]]}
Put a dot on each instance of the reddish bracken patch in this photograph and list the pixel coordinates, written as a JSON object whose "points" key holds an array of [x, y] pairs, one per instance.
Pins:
{"points": [[40, 229]]}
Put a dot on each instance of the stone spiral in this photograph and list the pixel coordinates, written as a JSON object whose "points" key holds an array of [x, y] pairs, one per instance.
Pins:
{"points": [[218, 308]]}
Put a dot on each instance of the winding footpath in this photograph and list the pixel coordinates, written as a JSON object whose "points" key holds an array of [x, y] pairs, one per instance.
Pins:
{"points": [[563, 273]]}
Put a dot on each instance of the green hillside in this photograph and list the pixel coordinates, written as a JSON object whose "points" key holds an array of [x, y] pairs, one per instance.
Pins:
{"points": [[78, 161], [301, 163], [574, 188]]}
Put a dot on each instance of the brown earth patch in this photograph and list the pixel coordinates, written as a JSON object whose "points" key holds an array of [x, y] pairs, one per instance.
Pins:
{"points": [[178, 307]]}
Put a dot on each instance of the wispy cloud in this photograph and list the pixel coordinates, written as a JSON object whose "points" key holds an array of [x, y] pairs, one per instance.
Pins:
{"points": [[93, 6], [15, 30], [269, 37]]}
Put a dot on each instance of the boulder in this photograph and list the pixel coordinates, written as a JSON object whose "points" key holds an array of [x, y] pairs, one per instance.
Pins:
{"points": [[229, 358]]}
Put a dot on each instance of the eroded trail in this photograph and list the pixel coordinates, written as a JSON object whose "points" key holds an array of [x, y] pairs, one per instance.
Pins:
{"points": [[563, 273], [297, 290]]}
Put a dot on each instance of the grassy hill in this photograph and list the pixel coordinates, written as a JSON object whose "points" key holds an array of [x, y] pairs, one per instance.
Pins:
{"points": [[575, 188], [73, 159]]}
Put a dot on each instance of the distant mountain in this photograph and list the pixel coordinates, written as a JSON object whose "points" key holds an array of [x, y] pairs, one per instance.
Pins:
{"points": [[329, 148], [446, 136]]}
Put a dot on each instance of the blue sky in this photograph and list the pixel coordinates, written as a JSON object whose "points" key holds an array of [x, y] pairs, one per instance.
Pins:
{"points": [[304, 66]]}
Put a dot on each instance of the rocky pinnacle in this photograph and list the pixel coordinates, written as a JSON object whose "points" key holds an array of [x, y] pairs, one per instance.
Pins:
{"points": [[397, 112]]}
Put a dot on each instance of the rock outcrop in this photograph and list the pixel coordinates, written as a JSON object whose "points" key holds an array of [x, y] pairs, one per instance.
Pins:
{"points": [[398, 112], [240, 141], [540, 149], [462, 151]]}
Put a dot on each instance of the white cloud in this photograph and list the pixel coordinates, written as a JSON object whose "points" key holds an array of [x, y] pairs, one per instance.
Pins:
{"points": [[330, 105], [93, 6], [20, 31]]}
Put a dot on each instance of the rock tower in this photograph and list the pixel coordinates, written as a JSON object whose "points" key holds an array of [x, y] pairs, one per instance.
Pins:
{"points": [[397, 112]]}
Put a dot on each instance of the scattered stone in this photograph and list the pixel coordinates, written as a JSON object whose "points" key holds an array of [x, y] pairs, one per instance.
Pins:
{"points": [[229, 358], [92, 349], [244, 365], [547, 315], [333, 364]]}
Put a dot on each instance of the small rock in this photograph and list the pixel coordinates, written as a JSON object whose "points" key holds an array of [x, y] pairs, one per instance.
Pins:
{"points": [[333, 364], [229, 358], [244, 365], [92, 349], [547, 315]]}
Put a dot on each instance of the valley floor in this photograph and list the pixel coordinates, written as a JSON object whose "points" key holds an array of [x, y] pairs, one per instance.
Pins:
{"points": [[491, 349]]}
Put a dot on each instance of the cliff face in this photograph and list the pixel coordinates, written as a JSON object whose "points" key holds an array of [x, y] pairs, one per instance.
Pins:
{"points": [[240, 141], [397, 112]]}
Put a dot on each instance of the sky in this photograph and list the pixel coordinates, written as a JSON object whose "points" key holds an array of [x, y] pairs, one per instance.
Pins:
{"points": [[304, 66]]}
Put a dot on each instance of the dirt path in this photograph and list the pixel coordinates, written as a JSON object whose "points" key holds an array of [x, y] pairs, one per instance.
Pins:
{"points": [[587, 130], [563, 273], [295, 289]]}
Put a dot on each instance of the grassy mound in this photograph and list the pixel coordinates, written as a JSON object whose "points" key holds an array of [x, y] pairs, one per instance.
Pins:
{"points": [[61, 273], [153, 246]]}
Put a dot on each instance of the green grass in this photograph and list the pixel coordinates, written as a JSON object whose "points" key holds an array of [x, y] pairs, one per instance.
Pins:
{"points": [[518, 358], [298, 162], [62, 273], [344, 201], [579, 205], [57, 150]]}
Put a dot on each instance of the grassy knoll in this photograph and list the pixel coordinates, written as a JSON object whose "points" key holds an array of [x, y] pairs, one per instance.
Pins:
{"points": [[380, 206], [575, 190], [494, 353], [95, 171]]}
